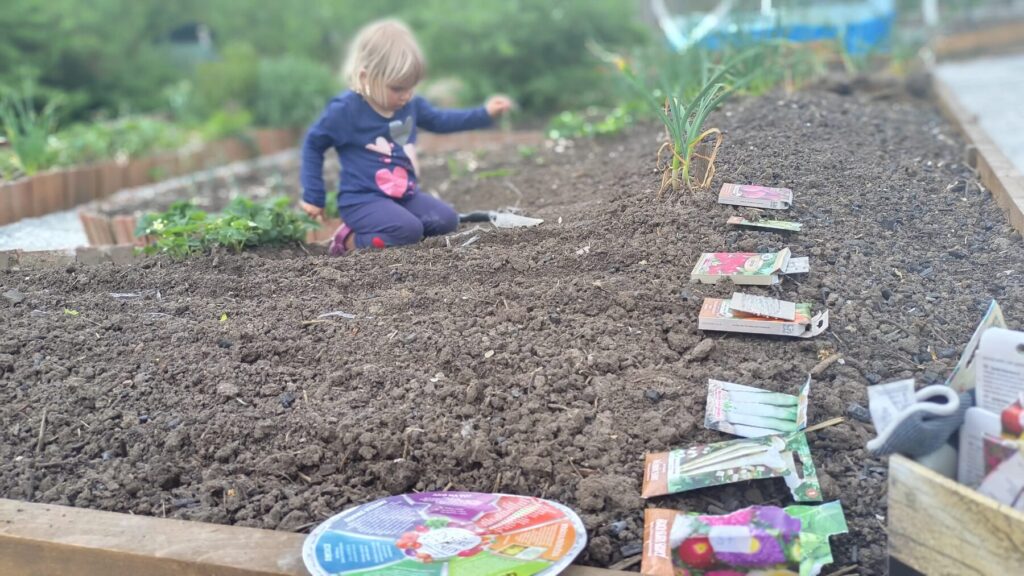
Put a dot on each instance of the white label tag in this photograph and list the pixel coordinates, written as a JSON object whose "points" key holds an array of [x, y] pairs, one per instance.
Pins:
{"points": [[999, 369], [801, 265], [885, 401], [763, 306]]}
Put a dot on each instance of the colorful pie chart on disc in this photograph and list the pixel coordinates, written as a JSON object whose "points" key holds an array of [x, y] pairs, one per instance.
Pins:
{"points": [[447, 534]]}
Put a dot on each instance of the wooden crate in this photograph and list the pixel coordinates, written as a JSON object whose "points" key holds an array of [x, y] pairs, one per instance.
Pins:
{"points": [[43, 540], [940, 527]]}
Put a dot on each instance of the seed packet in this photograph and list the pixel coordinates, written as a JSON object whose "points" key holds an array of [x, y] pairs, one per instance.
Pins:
{"points": [[740, 267], [752, 412], [756, 196], [783, 225], [704, 465], [756, 541], [962, 378], [719, 315], [434, 533]]}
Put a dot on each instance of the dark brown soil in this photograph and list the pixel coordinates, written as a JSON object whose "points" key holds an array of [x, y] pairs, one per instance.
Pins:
{"points": [[545, 361]]}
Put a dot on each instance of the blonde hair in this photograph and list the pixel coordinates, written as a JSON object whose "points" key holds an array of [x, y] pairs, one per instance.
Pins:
{"points": [[390, 55]]}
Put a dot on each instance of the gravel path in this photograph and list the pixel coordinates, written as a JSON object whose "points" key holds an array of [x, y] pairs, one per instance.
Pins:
{"points": [[57, 231], [990, 88]]}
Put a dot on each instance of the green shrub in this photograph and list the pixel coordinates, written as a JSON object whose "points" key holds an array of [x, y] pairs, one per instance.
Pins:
{"points": [[184, 230], [226, 123], [229, 81], [533, 50], [291, 91]]}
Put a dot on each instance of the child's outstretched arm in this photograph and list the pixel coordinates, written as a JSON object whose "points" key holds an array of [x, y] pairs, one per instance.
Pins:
{"points": [[444, 121], [328, 131]]}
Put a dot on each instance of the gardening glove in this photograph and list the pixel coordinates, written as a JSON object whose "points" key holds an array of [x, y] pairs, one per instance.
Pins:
{"points": [[924, 426]]}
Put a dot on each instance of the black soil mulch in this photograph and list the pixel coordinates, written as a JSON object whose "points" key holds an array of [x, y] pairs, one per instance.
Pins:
{"points": [[541, 361]]}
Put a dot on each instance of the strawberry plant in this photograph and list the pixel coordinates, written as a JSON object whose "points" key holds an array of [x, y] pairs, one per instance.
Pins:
{"points": [[183, 230]]}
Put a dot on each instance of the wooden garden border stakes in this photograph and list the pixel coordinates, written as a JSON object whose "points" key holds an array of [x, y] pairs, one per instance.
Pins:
{"points": [[43, 540], [942, 528]]}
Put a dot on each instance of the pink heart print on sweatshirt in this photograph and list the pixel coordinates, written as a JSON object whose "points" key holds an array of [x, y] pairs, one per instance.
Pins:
{"points": [[393, 183]]}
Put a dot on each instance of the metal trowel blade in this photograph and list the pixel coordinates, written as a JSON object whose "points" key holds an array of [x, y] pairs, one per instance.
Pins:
{"points": [[507, 220]]}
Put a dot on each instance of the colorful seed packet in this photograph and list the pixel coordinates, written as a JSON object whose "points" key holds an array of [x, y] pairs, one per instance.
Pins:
{"points": [[759, 540], [752, 268], [704, 465], [755, 196], [752, 412], [436, 533], [717, 314], [783, 225]]}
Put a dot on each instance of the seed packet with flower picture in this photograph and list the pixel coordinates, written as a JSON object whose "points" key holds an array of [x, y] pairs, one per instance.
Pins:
{"points": [[754, 541]]}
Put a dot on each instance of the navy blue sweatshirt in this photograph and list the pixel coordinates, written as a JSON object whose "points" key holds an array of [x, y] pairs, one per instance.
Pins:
{"points": [[377, 154]]}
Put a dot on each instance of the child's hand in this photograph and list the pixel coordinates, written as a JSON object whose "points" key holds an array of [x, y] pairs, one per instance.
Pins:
{"points": [[498, 105], [315, 212]]}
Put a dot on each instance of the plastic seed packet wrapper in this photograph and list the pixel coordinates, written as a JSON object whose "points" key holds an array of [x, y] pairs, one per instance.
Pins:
{"points": [[755, 196], [447, 533], [704, 465], [752, 412], [755, 541]]}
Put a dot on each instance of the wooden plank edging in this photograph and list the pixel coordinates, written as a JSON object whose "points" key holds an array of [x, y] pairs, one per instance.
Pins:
{"points": [[45, 539], [940, 527], [995, 170], [998, 37]]}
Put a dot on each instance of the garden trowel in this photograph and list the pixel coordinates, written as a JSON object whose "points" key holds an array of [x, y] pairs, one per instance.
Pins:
{"points": [[500, 219]]}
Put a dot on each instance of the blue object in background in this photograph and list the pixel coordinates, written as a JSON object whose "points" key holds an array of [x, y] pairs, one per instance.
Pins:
{"points": [[864, 26]]}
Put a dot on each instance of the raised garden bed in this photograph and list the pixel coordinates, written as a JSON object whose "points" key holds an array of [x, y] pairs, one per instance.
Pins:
{"points": [[544, 361], [63, 189]]}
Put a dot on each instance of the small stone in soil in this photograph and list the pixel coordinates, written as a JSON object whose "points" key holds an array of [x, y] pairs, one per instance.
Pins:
{"points": [[886, 293], [287, 399], [873, 378], [702, 350], [616, 527], [631, 549], [224, 343], [947, 353], [858, 412], [652, 395], [143, 418], [227, 389], [14, 296]]}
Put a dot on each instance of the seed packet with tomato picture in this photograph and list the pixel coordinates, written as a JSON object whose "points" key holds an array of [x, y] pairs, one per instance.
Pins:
{"points": [[754, 541]]}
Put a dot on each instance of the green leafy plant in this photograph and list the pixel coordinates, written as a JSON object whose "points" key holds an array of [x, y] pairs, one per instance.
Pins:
{"points": [[592, 121], [684, 117], [28, 131], [183, 230]]}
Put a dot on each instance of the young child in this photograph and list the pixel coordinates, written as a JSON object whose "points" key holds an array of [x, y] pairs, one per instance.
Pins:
{"points": [[373, 128]]}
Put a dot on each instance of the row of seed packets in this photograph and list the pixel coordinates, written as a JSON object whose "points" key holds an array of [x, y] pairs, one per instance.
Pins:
{"points": [[758, 540], [748, 313]]}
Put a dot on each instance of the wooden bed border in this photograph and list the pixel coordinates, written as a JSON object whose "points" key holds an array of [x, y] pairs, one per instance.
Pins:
{"points": [[46, 539]]}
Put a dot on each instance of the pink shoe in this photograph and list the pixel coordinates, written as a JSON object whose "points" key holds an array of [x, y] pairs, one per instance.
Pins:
{"points": [[337, 247]]}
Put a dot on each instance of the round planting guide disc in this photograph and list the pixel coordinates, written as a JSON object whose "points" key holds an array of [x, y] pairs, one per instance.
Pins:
{"points": [[447, 534]]}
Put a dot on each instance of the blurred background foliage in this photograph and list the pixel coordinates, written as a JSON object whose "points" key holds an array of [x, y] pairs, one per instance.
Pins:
{"points": [[193, 57], [84, 80]]}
